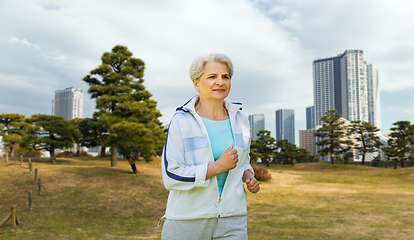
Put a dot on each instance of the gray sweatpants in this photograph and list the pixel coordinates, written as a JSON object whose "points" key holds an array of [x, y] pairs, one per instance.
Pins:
{"points": [[206, 229]]}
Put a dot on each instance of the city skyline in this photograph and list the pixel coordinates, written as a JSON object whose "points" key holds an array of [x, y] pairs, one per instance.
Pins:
{"points": [[50, 45]]}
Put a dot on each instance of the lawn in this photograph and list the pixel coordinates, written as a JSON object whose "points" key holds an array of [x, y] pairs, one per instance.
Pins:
{"points": [[84, 198]]}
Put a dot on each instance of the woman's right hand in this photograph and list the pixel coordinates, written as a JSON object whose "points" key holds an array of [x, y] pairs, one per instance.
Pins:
{"points": [[228, 159]]}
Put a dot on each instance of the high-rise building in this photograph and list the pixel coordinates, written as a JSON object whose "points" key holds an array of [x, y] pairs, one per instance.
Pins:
{"points": [[307, 140], [374, 112], [68, 103], [285, 125], [342, 83], [310, 117], [257, 123]]}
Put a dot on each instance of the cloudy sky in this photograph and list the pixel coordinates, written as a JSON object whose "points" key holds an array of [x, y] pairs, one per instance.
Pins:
{"points": [[48, 45]]}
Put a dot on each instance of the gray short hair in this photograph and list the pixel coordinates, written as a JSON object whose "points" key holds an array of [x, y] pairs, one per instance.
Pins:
{"points": [[197, 66]]}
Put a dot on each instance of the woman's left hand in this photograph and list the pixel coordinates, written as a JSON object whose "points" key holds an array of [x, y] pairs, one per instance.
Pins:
{"points": [[252, 185]]}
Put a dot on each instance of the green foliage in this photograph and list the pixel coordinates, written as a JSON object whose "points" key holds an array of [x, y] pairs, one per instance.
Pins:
{"points": [[348, 157], [401, 137], [124, 106], [94, 132], [254, 156], [302, 155], [49, 133], [377, 161], [12, 129], [333, 135], [77, 135], [118, 79], [264, 145], [288, 151], [366, 139], [314, 158]]}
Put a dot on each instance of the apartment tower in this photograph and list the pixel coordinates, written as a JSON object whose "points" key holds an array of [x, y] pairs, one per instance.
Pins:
{"points": [[257, 123], [285, 125], [68, 103], [349, 85]]}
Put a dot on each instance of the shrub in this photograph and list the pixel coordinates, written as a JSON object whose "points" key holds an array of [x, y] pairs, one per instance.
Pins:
{"points": [[261, 174], [377, 161], [72, 154]]}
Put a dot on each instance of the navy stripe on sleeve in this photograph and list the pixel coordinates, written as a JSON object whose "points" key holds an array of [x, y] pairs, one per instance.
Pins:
{"points": [[170, 174]]}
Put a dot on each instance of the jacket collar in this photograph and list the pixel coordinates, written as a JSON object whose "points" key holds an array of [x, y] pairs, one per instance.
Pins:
{"points": [[189, 106]]}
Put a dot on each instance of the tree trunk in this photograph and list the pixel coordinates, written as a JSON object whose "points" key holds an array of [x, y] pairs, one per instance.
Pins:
{"points": [[292, 162], [333, 158], [363, 158], [11, 151], [52, 156], [132, 163], [114, 156], [78, 147], [103, 148], [395, 164], [402, 163]]}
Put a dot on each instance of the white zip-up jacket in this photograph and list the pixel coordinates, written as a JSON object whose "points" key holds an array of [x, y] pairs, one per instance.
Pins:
{"points": [[187, 152]]}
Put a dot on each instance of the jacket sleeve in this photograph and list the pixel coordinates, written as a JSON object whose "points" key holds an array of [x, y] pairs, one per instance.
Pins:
{"points": [[176, 173], [247, 165]]}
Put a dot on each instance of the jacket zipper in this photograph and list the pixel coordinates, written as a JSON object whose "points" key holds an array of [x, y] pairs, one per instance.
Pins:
{"points": [[200, 122]]}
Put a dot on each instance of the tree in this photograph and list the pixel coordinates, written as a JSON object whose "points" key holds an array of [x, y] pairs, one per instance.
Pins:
{"points": [[78, 135], [12, 128], [366, 139], [287, 150], [118, 79], [302, 155], [137, 130], [49, 133], [264, 145], [401, 137], [333, 135], [94, 133]]}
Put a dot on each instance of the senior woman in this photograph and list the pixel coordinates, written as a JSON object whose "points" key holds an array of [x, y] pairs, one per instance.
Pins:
{"points": [[206, 159]]}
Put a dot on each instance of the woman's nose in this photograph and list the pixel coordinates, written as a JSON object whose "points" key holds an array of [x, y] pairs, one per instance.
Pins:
{"points": [[219, 81]]}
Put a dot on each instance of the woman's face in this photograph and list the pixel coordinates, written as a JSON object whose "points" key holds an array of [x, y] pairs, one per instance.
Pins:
{"points": [[215, 82]]}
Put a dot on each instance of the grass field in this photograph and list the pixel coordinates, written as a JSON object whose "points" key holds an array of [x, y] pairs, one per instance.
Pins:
{"points": [[84, 198]]}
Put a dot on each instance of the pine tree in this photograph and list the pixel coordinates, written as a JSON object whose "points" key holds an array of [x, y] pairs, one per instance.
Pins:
{"points": [[286, 150], [94, 133], [399, 144], [12, 129], [137, 130], [117, 80], [49, 133], [333, 135], [264, 145], [365, 136], [125, 108]]}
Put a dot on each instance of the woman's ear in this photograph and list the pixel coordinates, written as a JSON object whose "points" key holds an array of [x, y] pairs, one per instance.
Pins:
{"points": [[195, 82]]}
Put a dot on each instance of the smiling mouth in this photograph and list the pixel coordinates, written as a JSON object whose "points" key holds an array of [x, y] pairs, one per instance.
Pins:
{"points": [[219, 90]]}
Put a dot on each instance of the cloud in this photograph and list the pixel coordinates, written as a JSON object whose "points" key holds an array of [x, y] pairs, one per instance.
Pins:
{"points": [[15, 40], [50, 45]]}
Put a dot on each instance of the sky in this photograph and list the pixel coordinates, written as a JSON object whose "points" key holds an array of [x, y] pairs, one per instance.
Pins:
{"points": [[49, 45]]}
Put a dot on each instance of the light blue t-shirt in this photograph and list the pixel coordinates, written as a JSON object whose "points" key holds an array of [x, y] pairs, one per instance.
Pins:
{"points": [[221, 137]]}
